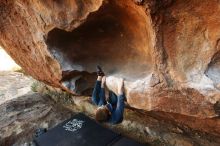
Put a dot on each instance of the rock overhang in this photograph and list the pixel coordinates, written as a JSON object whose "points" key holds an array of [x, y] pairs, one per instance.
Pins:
{"points": [[165, 83], [118, 36]]}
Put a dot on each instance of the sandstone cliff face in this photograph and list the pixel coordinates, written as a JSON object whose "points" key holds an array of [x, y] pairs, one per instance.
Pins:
{"points": [[167, 50]]}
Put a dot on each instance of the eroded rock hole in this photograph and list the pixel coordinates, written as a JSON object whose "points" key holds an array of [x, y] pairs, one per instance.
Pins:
{"points": [[213, 70], [117, 37]]}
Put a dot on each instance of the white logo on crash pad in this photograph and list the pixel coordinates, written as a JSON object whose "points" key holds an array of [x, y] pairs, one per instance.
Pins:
{"points": [[73, 125]]}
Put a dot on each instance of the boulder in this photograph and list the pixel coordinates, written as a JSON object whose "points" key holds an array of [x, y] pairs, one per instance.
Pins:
{"points": [[167, 51]]}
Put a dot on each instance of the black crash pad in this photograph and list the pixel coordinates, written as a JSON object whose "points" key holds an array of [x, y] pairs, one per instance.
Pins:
{"points": [[126, 142], [80, 130]]}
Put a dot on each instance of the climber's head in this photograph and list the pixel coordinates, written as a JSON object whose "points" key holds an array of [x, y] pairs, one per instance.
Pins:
{"points": [[102, 114]]}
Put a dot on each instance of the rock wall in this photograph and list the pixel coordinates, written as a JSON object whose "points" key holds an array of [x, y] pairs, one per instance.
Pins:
{"points": [[167, 50]]}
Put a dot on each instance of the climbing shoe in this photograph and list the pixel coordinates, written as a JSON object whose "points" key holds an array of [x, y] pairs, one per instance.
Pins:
{"points": [[99, 71]]}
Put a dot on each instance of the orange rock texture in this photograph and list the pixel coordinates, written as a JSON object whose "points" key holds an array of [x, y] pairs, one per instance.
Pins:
{"points": [[168, 51]]}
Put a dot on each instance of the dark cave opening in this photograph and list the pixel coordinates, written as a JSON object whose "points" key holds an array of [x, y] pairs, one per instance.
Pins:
{"points": [[116, 37]]}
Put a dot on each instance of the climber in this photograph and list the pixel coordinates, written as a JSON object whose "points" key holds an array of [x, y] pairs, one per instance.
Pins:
{"points": [[110, 110]]}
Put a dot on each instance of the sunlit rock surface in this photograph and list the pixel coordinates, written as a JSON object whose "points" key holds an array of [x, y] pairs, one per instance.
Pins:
{"points": [[20, 117], [6, 62], [167, 51], [13, 85]]}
